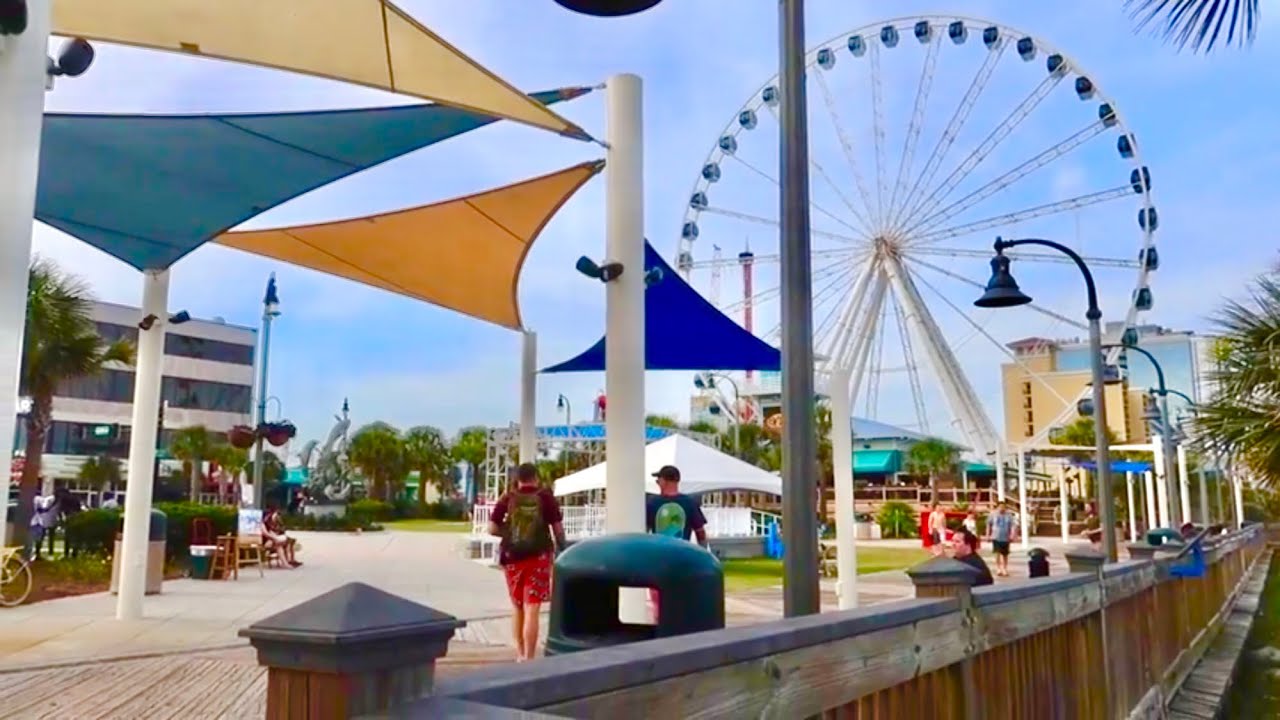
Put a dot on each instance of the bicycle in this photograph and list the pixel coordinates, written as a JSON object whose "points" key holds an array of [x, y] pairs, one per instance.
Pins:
{"points": [[15, 577]]}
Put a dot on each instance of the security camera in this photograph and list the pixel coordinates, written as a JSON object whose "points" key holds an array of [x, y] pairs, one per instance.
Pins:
{"points": [[74, 58]]}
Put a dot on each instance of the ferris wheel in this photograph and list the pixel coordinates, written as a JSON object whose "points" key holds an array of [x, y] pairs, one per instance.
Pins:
{"points": [[929, 137]]}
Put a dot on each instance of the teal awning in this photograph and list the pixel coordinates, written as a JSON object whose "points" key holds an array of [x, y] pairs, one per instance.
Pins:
{"points": [[980, 469], [295, 476], [148, 189], [876, 462]]}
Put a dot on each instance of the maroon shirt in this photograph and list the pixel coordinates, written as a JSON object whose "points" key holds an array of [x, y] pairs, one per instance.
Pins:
{"points": [[550, 513]]}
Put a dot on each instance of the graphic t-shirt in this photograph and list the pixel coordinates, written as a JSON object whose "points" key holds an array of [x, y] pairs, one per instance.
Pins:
{"points": [[525, 516], [676, 516], [1001, 526]]}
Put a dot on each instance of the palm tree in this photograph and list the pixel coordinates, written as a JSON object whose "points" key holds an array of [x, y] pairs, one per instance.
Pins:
{"points": [[472, 446], [193, 445], [378, 451], [101, 471], [427, 452], [60, 344], [1242, 418], [932, 457], [233, 461], [661, 421], [1197, 23]]}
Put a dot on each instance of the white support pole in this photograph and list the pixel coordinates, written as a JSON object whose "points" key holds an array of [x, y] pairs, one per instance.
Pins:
{"points": [[1064, 504], [1133, 509], [1206, 518], [529, 397], [842, 466], [1152, 505], [23, 64], [142, 446], [1184, 483], [1237, 487], [1024, 518], [1163, 501], [624, 315], [999, 474]]}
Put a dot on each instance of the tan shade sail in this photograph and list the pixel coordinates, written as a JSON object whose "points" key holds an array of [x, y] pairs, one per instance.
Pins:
{"points": [[464, 254], [367, 42]]}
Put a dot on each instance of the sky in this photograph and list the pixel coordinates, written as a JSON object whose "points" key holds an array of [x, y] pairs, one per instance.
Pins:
{"points": [[1202, 125]]}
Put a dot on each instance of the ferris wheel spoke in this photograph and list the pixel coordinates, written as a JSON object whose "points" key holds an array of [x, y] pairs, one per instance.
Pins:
{"points": [[832, 348], [991, 338], [877, 131], [828, 285], [819, 273], [912, 367], [958, 119], [917, 123], [858, 354], [815, 205], [1025, 256], [1012, 218], [760, 220], [988, 145], [973, 283], [829, 293], [845, 143], [1023, 170], [975, 425], [877, 365], [770, 259]]}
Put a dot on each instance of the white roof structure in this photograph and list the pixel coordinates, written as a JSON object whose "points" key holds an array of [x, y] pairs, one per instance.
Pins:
{"points": [[702, 469]]}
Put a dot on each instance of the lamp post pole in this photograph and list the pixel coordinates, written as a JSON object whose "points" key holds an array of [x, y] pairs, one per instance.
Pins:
{"points": [[709, 383], [1166, 431], [799, 446], [1002, 291], [270, 311]]}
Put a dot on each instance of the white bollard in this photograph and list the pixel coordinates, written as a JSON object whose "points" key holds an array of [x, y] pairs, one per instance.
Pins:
{"points": [[842, 466]]}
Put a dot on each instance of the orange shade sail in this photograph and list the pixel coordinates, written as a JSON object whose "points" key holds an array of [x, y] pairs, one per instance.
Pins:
{"points": [[464, 254]]}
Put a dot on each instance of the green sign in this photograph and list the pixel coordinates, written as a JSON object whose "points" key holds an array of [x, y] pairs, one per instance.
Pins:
{"points": [[103, 431]]}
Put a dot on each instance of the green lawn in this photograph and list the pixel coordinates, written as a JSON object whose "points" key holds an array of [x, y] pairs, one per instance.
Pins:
{"points": [[425, 525], [766, 572]]}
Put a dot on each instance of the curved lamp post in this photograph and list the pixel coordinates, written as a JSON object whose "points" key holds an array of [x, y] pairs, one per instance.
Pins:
{"points": [[1165, 425], [707, 381], [1002, 291], [270, 311]]}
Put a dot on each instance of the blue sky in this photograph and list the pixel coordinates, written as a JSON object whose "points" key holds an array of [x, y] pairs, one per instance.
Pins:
{"points": [[1203, 125]]}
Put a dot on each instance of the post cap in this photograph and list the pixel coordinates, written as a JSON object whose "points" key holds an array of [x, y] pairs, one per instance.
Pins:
{"points": [[943, 572], [355, 628], [1085, 560], [1141, 551]]}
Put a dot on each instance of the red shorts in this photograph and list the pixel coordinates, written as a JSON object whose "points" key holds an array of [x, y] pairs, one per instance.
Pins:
{"points": [[529, 580]]}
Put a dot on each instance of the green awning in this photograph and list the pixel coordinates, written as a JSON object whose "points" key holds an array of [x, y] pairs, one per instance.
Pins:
{"points": [[876, 462], [980, 469]]}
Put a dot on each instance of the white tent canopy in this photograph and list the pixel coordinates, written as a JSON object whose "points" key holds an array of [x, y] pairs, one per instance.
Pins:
{"points": [[702, 469]]}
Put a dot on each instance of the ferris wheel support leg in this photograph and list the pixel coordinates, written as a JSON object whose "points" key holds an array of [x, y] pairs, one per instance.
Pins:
{"points": [[842, 466], [22, 87], [624, 314], [977, 428], [1024, 519], [861, 351], [849, 316], [528, 397]]}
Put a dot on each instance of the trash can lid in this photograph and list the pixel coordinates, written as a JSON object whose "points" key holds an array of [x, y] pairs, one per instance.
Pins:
{"points": [[637, 558], [1038, 552]]}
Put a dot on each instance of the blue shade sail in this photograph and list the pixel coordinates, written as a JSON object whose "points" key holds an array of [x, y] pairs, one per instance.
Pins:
{"points": [[684, 332], [1117, 466], [148, 189]]}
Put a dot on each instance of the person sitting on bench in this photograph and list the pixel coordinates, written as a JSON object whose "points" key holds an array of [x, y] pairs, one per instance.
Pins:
{"points": [[273, 536]]}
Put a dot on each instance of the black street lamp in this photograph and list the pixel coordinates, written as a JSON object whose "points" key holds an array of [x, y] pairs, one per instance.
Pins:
{"points": [[607, 8], [1165, 425], [1003, 291]]}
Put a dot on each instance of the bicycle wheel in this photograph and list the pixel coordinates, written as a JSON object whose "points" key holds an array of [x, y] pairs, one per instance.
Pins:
{"points": [[15, 581]]}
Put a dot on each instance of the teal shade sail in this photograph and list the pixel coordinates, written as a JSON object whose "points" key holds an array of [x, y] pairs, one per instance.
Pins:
{"points": [[148, 189]]}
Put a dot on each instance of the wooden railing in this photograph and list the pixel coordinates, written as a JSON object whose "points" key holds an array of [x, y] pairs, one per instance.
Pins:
{"points": [[1103, 641]]}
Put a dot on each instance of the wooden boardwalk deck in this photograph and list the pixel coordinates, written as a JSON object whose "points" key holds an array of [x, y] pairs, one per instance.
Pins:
{"points": [[1202, 695]]}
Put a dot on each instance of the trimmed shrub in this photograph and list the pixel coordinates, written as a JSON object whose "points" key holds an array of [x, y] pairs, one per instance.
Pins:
{"points": [[94, 531], [371, 511], [897, 520], [331, 523]]}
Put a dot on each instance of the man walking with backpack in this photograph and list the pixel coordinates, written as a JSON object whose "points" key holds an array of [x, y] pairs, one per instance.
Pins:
{"points": [[528, 520]]}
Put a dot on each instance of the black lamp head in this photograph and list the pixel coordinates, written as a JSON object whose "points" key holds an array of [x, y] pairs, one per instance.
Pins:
{"points": [[603, 273], [1002, 290], [74, 57], [607, 8]]}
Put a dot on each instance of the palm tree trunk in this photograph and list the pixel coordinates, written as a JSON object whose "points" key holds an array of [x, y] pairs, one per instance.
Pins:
{"points": [[38, 422], [196, 483], [422, 491]]}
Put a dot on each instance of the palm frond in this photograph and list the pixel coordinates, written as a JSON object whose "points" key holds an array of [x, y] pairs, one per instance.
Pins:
{"points": [[1197, 23]]}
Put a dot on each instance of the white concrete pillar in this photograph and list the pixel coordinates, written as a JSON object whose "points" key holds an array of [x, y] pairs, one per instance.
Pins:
{"points": [[1024, 518], [22, 78], [529, 397], [1163, 501], [1063, 503], [842, 466], [1000, 474], [1133, 509], [1184, 483], [624, 317], [1237, 487], [1149, 486], [142, 446]]}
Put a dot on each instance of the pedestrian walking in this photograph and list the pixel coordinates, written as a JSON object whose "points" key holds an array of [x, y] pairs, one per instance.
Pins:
{"points": [[1002, 530]]}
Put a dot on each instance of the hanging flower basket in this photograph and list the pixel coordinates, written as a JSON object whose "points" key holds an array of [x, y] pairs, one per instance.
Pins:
{"points": [[278, 433], [241, 436]]}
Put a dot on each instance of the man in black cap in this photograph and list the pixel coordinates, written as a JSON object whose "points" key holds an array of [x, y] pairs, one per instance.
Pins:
{"points": [[673, 513]]}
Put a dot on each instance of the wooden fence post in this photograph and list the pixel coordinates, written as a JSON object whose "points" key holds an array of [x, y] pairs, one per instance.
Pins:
{"points": [[1090, 561], [944, 577], [353, 651]]}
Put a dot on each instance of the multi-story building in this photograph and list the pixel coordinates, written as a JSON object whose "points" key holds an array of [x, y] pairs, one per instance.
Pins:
{"points": [[208, 380], [1050, 374]]}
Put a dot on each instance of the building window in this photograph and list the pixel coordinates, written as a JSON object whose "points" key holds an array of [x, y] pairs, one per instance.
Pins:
{"points": [[206, 395], [108, 386], [1029, 431], [1029, 417], [204, 349], [1026, 388], [110, 332]]}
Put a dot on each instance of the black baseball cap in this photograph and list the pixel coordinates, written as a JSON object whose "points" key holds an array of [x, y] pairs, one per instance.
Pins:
{"points": [[668, 472], [527, 472]]}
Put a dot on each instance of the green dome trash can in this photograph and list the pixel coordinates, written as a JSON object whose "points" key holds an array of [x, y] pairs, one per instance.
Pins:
{"points": [[587, 577]]}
